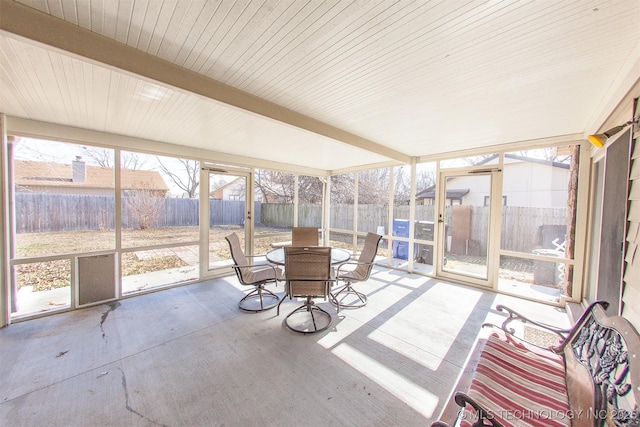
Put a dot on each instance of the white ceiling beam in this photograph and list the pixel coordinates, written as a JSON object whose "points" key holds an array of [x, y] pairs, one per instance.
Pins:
{"points": [[571, 139], [34, 25], [43, 130]]}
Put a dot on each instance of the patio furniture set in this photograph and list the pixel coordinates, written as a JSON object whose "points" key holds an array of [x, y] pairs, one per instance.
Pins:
{"points": [[591, 377], [310, 271]]}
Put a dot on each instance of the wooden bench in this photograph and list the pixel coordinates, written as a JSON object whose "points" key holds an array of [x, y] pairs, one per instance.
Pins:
{"points": [[590, 378]]}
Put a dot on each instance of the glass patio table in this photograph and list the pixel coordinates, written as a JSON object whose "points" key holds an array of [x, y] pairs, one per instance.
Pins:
{"points": [[338, 256]]}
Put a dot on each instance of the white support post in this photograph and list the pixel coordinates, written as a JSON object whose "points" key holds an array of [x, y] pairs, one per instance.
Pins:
{"points": [[412, 215], [5, 295]]}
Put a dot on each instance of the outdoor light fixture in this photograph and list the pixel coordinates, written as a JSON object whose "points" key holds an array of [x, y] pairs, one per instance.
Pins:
{"points": [[599, 139]]}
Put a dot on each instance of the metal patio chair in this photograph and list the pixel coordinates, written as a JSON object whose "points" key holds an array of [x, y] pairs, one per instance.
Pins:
{"points": [[308, 275], [350, 272], [304, 236], [256, 275]]}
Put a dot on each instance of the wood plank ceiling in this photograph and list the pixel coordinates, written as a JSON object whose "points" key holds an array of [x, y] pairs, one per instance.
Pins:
{"points": [[325, 85]]}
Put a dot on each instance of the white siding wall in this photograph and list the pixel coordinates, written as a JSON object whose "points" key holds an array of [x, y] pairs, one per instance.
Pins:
{"points": [[535, 185], [526, 184], [631, 290]]}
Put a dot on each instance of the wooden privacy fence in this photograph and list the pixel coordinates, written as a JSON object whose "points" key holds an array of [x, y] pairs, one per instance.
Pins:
{"points": [[41, 212], [281, 215], [523, 228], [370, 217]]}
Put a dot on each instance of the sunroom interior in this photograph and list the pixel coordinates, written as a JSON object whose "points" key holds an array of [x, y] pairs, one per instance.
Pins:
{"points": [[136, 135]]}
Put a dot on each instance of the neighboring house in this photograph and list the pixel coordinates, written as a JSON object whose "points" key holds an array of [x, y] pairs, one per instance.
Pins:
{"points": [[235, 190], [80, 178], [428, 196], [530, 183]]}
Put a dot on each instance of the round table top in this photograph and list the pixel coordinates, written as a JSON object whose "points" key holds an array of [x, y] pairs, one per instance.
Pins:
{"points": [[338, 256]]}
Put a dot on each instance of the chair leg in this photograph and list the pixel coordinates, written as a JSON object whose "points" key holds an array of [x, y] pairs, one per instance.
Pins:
{"points": [[279, 304], [344, 291], [313, 310], [260, 299], [286, 292]]}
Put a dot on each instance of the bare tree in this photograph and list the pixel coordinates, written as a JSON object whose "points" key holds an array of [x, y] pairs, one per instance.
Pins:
{"points": [[101, 156], [131, 161], [425, 178], [402, 185], [187, 177], [275, 186], [310, 190], [145, 206], [342, 188], [477, 160], [549, 154], [105, 157], [373, 187]]}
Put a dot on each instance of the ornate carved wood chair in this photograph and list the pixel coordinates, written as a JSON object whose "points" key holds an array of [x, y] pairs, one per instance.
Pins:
{"points": [[260, 298], [346, 296]]}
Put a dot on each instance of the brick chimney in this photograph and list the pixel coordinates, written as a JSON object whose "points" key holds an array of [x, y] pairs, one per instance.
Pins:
{"points": [[79, 168]]}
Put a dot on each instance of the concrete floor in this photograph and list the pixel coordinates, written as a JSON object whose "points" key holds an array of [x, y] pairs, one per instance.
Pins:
{"points": [[189, 357]]}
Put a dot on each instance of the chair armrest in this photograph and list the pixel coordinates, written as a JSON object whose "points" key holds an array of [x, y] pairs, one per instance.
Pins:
{"points": [[477, 416], [487, 419], [350, 263], [514, 316], [563, 334], [263, 261], [240, 266]]}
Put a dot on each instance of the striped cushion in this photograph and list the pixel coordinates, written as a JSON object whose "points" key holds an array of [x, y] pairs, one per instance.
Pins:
{"points": [[519, 385]]}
